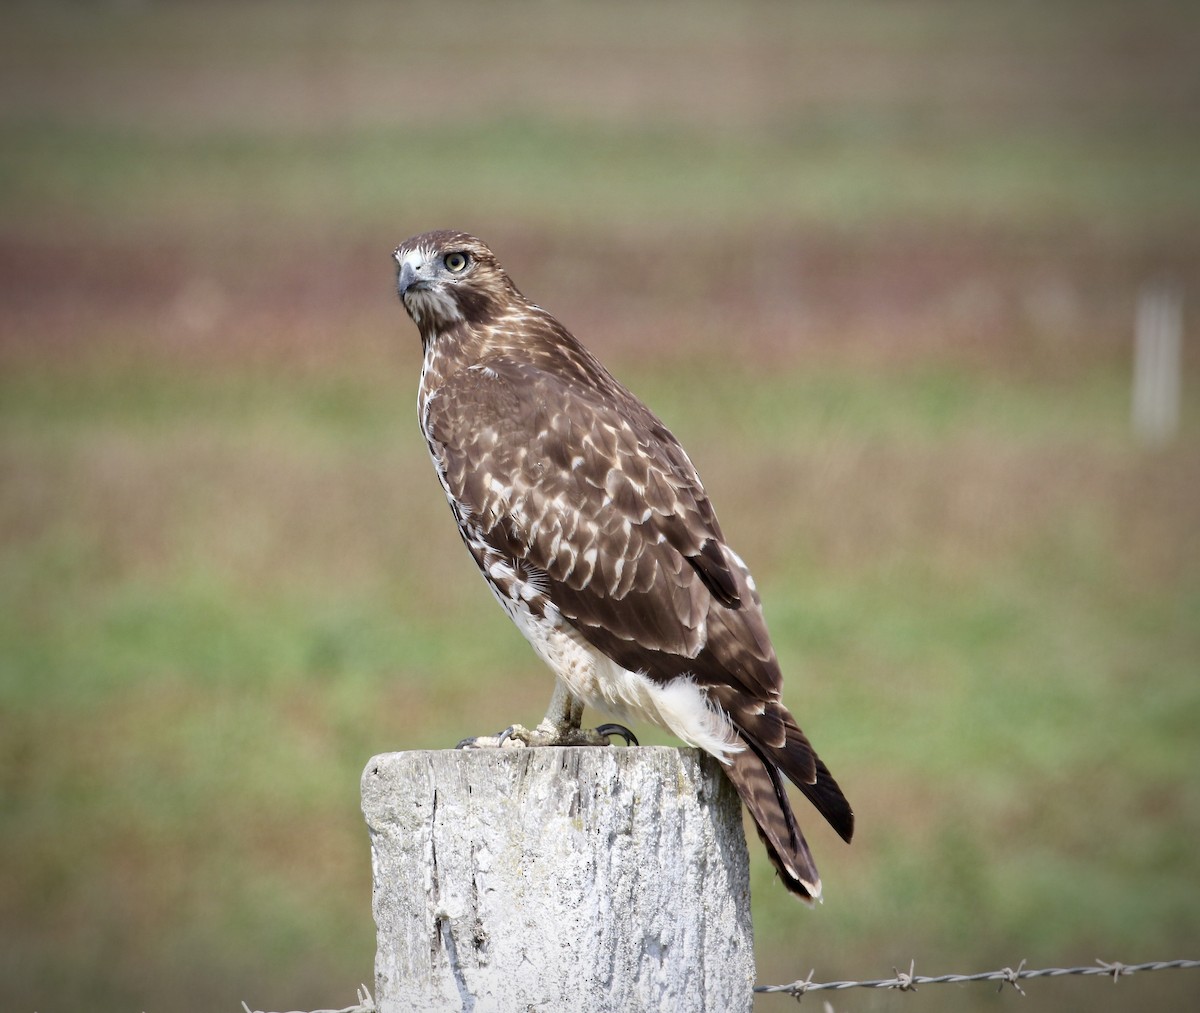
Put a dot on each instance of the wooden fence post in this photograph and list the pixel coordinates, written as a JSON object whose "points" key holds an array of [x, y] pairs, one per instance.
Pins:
{"points": [[1157, 363], [558, 879]]}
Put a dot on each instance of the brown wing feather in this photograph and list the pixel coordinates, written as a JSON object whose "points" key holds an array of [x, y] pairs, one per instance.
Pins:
{"points": [[558, 478]]}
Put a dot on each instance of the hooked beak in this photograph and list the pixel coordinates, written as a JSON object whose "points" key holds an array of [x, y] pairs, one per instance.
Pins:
{"points": [[406, 277]]}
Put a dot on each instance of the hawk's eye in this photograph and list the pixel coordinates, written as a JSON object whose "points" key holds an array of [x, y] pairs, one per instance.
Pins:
{"points": [[456, 262]]}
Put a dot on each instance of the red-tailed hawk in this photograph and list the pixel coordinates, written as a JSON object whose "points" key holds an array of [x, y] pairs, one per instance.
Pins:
{"points": [[590, 525]]}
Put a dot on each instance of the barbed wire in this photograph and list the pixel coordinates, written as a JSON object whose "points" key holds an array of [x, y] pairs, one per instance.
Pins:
{"points": [[904, 981], [907, 981], [365, 1004]]}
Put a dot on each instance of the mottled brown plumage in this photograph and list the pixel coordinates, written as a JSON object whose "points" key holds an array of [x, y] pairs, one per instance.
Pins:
{"points": [[593, 530]]}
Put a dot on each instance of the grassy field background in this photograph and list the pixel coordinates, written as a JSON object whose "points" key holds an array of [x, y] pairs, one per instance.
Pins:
{"points": [[876, 264]]}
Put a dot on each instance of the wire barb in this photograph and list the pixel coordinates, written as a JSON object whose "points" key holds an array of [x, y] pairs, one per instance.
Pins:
{"points": [[1012, 977], [907, 982]]}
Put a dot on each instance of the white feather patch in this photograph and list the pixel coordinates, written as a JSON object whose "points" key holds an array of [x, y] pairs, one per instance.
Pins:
{"points": [[679, 706]]}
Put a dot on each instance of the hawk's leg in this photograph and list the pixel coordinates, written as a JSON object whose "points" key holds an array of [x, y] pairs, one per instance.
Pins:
{"points": [[560, 727]]}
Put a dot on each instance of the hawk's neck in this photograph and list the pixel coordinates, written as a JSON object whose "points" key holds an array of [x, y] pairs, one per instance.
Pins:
{"points": [[523, 332], [457, 347]]}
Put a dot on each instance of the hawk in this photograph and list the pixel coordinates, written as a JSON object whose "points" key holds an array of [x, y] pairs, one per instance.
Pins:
{"points": [[590, 525]]}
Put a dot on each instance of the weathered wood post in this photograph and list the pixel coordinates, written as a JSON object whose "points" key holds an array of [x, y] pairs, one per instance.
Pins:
{"points": [[558, 879]]}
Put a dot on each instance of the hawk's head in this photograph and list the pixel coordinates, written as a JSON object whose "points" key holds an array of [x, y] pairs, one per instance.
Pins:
{"points": [[446, 278]]}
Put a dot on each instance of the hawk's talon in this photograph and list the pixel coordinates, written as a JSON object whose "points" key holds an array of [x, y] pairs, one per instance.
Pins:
{"points": [[515, 732], [513, 737], [608, 731]]}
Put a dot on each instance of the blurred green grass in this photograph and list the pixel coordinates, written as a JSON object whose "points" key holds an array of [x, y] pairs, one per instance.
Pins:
{"points": [[875, 266], [222, 605]]}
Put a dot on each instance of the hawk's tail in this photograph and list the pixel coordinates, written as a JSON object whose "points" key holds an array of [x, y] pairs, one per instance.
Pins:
{"points": [[800, 763], [759, 781]]}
